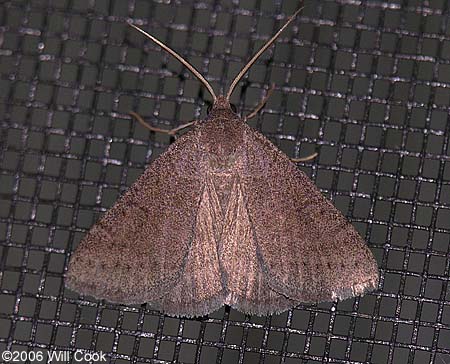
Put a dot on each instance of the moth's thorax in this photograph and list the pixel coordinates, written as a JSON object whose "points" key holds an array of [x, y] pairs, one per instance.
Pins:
{"points": [[221, 138], [223, 164], [222, 146]]}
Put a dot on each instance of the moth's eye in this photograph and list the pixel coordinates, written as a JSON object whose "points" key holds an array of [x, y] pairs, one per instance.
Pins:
{"points": [[234, 108]]}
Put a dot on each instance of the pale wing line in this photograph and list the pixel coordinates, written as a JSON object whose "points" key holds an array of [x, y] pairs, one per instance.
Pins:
{"points": [[168, 284], [193, 235]]}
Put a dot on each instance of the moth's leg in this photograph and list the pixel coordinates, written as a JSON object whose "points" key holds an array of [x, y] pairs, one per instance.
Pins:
{"points": [[305, 159], [261, 103], [159, 130]]}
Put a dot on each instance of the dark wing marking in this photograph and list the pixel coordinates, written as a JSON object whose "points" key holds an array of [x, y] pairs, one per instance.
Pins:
{"points": [[136, 252], [309, 251]]}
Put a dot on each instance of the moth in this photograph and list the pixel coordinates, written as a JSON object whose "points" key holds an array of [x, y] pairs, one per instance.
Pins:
{"points": [[222, 217]]}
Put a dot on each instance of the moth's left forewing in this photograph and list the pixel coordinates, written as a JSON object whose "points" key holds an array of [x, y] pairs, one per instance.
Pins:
{"points": [[309, 252], [137, 250]]}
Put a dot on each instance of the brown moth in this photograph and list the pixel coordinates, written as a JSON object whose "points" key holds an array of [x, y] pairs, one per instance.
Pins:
{"points": [[222, 217]]}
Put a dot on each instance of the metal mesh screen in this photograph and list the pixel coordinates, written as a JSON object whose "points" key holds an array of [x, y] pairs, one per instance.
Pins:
{"points": [[365, 84]]}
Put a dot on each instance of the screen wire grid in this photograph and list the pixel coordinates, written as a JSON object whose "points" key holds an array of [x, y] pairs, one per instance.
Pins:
{"points": [[363, 83]]}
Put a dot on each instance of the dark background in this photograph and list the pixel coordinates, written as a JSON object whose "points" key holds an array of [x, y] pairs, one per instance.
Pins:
{"points": [[365, 84]]}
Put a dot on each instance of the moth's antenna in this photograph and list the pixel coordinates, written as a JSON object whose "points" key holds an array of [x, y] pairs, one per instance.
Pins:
{"points": [[181, 59], [261, 51]]}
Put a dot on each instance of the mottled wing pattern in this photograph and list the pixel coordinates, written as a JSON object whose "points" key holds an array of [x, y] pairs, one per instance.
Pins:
{"points": [[309, 251], [137, 251]]}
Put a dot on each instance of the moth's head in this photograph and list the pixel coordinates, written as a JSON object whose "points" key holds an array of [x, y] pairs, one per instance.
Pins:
{"points": [[222, 108]]}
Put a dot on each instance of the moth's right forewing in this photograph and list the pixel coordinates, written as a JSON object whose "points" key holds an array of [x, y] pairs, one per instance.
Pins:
{"points": [[309, 252], [136, 251]]}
